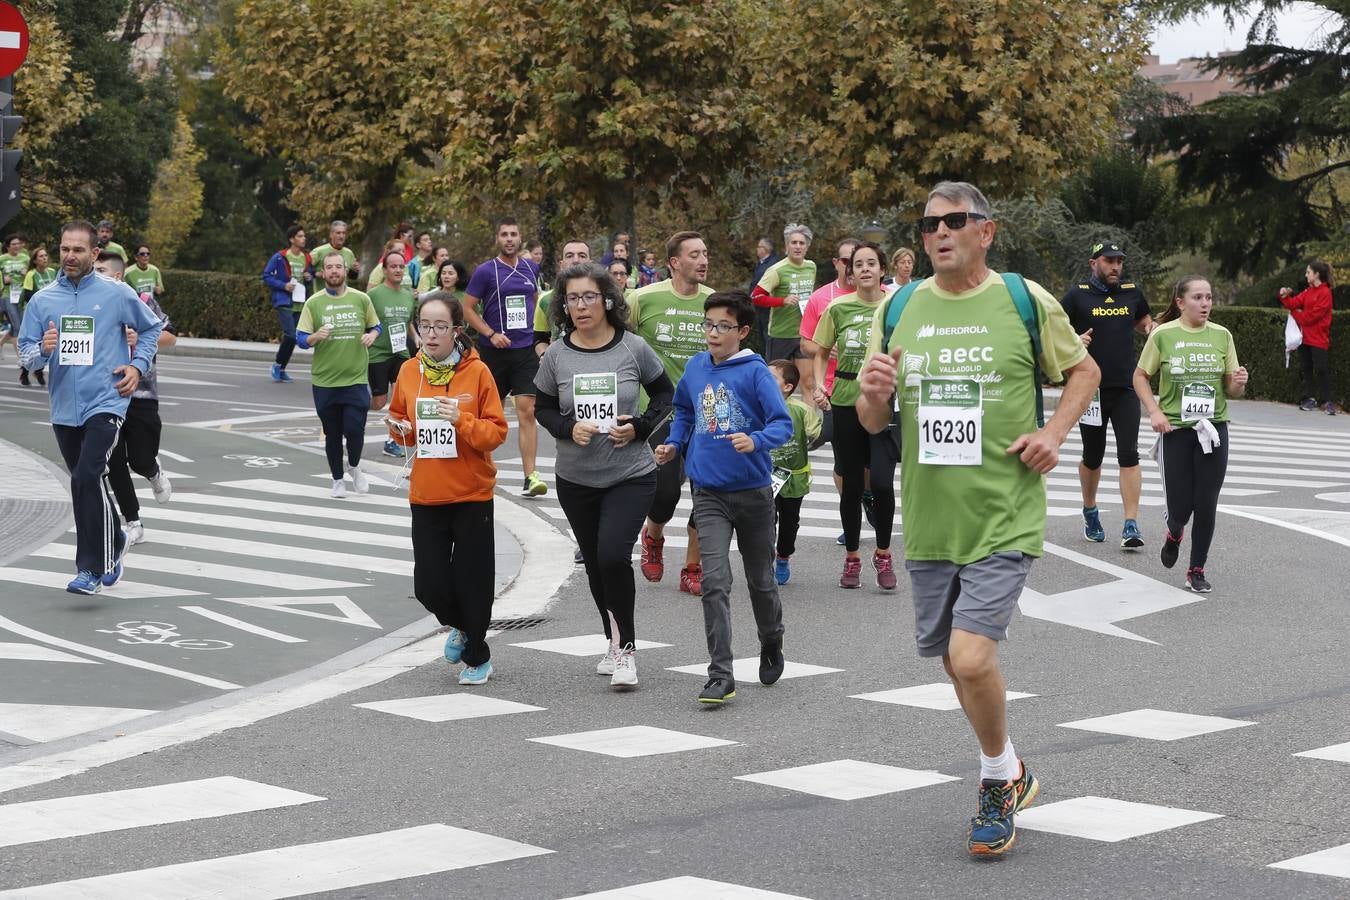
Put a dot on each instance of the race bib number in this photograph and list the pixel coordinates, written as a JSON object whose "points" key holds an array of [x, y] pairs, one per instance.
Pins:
{"points": [[949, 422], [298, 294], [1093, 415], [595, 398], [75, 344], [398, 336], [15, 289], [779, 477], [515, 312], [1197, 402], [435, 435]]}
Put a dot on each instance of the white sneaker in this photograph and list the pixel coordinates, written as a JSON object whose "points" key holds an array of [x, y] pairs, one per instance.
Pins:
{"points": [[625, 669], [161, 486], [135, 532], [606, 664], [339, 488], [359, 482]]}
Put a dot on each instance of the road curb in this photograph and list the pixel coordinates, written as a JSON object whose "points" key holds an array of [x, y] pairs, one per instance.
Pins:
{"points": [[201, 347], [37, 507]]}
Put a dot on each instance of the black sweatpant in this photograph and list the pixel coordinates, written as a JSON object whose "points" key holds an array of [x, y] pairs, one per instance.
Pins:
{"points": [[137, 451], [1120, 409], [789, 511], [670, 480], [1316, 373], [856, 449], [454, 569], [98, 531], [342, 410], [606, 522], [289, 319], [1191, 481]]}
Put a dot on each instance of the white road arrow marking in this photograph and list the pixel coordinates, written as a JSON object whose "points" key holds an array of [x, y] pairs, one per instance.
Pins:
{"points": [[350, 613]]}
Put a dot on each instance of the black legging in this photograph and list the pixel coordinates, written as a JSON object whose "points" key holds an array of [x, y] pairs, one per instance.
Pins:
{"points": [[1191, 480], [669, 481], [343, 414], [789, 511], [855, 449], [455, 569], [136, 451], [1316, 373], [606, 522]]}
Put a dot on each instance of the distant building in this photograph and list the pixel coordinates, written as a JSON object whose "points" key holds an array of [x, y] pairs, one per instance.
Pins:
{"points": [[1188, 80], [163, 26]]}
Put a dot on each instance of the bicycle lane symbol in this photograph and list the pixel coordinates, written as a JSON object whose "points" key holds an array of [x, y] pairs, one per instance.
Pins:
{"points": [[161, 633], [251, 461]]}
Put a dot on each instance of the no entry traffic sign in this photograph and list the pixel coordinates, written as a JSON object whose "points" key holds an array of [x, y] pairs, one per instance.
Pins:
{"points": [[13, 39]]}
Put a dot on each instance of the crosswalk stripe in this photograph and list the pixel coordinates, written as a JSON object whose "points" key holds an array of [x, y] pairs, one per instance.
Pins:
{"points": [[333, 511], [207, 798], [278, 527], [284, 488], [41, 722], [312, 558], [299, 869], [127, 590], [189, 568], [38, 653]]}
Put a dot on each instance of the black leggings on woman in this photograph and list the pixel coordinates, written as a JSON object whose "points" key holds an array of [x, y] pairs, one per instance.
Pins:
{"points": [[606, 522], [855, 449], [1191, 480], [455, 567]]}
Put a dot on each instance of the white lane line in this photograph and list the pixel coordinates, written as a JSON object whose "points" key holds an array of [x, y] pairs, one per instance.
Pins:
{"points": [[191, 568], [279, 527], [684, 887], [123, 590], [35, 635], [286, 489], [301, 868], [244, 420], [174, 379], [347, 612], [1341, 523], [176, 457], [307, 557], [244, 626], [42, 722], [333, 511], [38, 653], [185, 801]]}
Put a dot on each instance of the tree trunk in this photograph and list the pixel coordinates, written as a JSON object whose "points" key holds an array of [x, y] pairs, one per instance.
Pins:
{"points": [[382, 201], [620, 214], [548, 221]]}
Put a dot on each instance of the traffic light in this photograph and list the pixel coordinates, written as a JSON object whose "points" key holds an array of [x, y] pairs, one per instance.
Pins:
{"points": [[10, 190]]}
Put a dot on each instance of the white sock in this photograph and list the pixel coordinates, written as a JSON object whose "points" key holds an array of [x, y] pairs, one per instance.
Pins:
{"points": [[1004, 767]]}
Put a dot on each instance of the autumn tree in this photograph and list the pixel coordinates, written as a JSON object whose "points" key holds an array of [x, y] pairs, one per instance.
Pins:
{"points": [[1009, 94], [176, 199]]}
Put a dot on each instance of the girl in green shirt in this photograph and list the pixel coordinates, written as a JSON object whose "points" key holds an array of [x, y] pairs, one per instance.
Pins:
{"points": [[1197, 365]]}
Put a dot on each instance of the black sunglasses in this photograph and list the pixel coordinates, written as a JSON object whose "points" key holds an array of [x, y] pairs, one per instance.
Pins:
{"points": [[954, 221]]}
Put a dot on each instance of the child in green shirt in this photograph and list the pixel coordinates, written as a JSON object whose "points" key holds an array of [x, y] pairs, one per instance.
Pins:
{"points": [[791, 465]]}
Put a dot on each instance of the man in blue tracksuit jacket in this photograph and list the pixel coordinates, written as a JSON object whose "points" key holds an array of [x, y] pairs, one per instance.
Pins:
{"points": [[288, 267], [729, 413], [76, 327]]}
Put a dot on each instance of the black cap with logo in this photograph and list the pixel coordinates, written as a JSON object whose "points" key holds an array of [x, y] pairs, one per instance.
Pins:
{"points": [[1107, 248]]}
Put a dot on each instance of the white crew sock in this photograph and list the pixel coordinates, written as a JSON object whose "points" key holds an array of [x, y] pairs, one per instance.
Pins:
{"points": [[1004, 767]]}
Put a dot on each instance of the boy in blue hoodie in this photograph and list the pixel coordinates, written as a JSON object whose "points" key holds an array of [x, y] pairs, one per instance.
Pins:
{"points": [[729, 413]]}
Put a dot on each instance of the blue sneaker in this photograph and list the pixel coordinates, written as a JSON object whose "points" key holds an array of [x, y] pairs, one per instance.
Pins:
{"points": [[392, 448], [85, 583], [992, 831], [476, 674], [781, 570], [277, 371], [286, 379], [114, 575], [1092, 525], [1131, 538], [841, 540], [454, 645]]}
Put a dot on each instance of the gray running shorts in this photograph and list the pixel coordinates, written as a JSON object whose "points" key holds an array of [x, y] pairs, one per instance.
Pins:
{"points": [[978, 597]]}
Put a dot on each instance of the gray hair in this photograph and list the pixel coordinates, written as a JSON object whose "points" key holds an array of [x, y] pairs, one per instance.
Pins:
{"points": [[795, 228], [965, 193], [336, 223]]}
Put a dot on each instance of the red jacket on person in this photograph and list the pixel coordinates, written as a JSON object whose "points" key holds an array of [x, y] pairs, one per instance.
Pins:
{"points": [[1312, 311]]}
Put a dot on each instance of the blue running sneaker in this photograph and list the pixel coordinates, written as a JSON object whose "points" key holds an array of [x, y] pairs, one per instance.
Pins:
{"points": [[85, 583], [454, 645], [286, 379], [392, 448], [1092, 525], [1025, 788], [476, 674], [1131, 538], [114, 575], [277, 371], [992, 831], [782, 571], [841, 540]]}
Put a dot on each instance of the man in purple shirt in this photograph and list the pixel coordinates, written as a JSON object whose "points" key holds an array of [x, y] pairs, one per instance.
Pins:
{"points": [[507, 286]]}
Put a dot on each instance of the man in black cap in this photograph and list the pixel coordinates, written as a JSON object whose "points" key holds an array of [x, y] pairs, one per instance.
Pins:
{"points": [[1106, 313]]}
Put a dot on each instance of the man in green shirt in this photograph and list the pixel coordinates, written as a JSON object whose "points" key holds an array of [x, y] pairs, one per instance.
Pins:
{"points": [[105, 241], [337, 240], [393, 303], [668, 315], [973, 466], [13, 266], [144, 277], [784, 289], [340, 324]]}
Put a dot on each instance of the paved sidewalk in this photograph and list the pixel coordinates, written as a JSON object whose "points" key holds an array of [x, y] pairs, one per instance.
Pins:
{"points": [[259, 350], [35, 507]]}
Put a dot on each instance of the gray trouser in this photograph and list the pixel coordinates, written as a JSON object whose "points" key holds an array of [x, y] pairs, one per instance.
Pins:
{"points": [[750, 515]]}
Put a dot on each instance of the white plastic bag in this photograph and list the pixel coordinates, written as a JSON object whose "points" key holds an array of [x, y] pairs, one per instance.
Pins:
{"points": [[1293, 337]]}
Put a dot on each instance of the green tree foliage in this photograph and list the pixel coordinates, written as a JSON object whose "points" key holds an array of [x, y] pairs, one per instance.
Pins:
{"points": [[1241, 154], [176, 199], [102, 162]]}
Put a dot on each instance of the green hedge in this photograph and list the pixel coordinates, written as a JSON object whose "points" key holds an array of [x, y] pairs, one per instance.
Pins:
{"points": [[1258, 332], [219, 305]]}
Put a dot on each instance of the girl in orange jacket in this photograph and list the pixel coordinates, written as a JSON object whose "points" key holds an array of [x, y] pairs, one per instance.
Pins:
{"points": [[445, 409]]}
